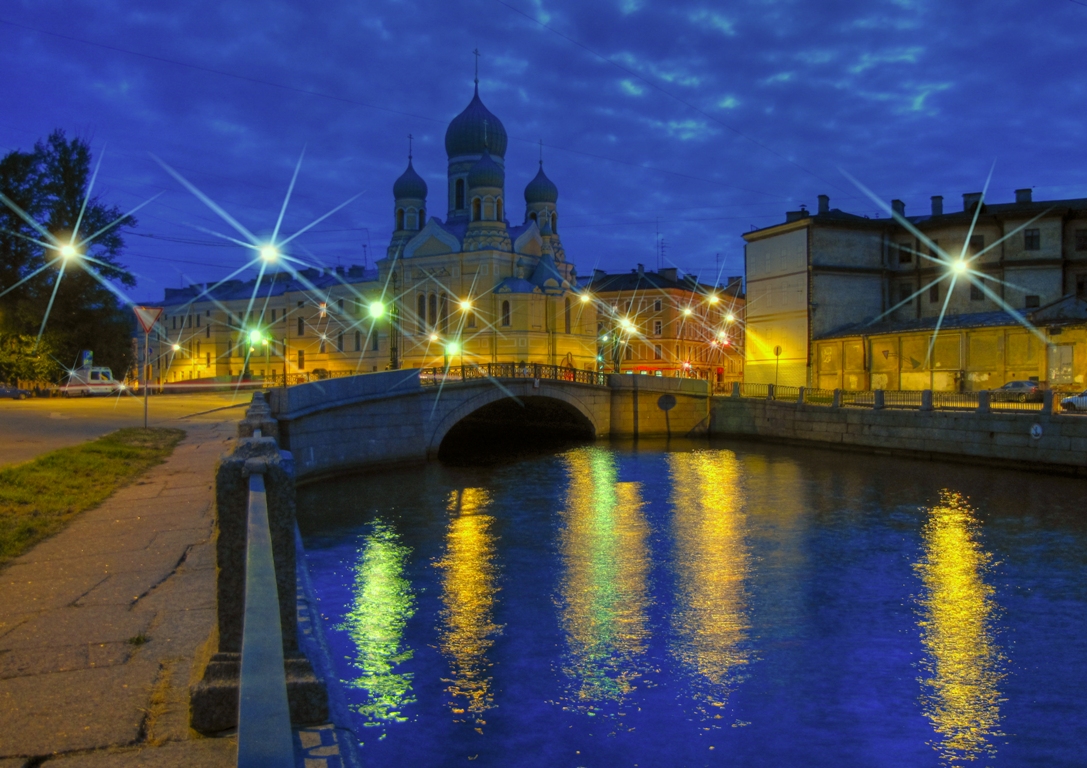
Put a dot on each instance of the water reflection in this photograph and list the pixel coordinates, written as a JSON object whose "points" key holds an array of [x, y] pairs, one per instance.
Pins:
{"points": [[604, 593], [383, 603], [962, 664], [469, 579], [710, 621]]}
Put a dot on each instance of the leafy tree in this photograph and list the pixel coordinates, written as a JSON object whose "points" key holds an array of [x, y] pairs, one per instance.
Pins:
{"points": [[50, 185]]}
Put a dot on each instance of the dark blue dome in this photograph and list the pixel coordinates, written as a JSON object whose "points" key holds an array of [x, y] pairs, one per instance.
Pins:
{"points": [[474, 130], [541, 189], [410, 184], [486, 173]]}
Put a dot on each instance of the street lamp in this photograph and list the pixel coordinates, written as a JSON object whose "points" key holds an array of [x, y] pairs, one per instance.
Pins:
{"points": [[269, 253], [377, 309]]}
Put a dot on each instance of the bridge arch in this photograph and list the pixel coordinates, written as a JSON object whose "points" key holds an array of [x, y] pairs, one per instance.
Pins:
{"points": [[581, 410]]}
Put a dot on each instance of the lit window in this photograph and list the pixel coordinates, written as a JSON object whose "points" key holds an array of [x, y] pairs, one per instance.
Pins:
{"points": [[657, 327]]}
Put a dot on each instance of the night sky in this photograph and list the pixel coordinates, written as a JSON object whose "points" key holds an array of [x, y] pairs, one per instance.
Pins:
{"points": [[709, 118]]}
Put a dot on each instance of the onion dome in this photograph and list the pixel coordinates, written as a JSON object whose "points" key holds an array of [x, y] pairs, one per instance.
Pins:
{"points": [[410, 184], [541, 189], [474, 130], [486, 173]]}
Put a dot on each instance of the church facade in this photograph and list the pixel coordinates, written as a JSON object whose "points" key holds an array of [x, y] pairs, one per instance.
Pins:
{"points": [[472, 287]]}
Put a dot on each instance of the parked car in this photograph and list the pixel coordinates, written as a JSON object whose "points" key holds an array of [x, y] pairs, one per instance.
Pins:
{"points": [[15, 393], [1019, 392], [1075, 402], [89, 381]]}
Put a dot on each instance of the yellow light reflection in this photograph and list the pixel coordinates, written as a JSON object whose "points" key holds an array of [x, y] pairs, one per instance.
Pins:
{"points": [[962, 663], [469, 583], [604, 592], [711, 614], [383, 604]]}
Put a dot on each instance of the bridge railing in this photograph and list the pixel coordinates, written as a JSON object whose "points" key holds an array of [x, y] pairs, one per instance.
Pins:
{"points": [[920, 400], [432, 377]]}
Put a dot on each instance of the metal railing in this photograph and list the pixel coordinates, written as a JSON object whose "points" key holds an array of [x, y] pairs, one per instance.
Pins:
{"points": [[264, 717], [755, 390], [896, 398], [814, 396], [473, 371], [1017, 405], [955, 401], [902, 399], [787, 394], [857, 399]]}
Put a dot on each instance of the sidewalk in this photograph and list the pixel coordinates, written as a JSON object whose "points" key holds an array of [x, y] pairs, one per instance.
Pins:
{"points": [[101, 627]]}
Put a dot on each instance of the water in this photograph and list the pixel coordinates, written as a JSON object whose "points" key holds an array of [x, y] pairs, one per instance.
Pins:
{"points": [[706, 604]]}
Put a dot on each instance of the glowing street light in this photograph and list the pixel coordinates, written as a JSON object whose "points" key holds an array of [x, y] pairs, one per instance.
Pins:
{"points": [[721, 334], [465, 304], [626, 324], [714, 298], [377, 309], [255, 337], [730, 318], [177, 347], [433, 337]]}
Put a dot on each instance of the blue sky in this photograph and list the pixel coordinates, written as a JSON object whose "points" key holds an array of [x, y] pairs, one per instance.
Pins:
{"points": [[711, 118]]}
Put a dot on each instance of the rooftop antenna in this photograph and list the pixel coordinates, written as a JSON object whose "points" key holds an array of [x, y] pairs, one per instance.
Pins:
{"points": [[364, 261]]}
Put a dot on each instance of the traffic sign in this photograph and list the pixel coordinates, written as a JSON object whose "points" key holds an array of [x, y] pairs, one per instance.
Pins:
{"points": [[147, 316]]}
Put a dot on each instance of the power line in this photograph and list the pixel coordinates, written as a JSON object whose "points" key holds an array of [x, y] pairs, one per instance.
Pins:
{"points": [[355, 102]]}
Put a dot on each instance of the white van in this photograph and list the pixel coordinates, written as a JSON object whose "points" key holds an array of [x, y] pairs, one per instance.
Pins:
{"points": [[93, 380]]}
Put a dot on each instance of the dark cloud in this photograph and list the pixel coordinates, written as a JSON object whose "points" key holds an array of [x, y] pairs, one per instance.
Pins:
{"points": [[707, 117]]}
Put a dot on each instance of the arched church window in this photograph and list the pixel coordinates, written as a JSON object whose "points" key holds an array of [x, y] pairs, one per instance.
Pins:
{"points": [[432, 316], [476, 209], [533, 217], [499, 210], [458, 194], [422, 218], [555, 223], [413, 220], [421, 315], [505, 313], [399, 218], [445, 313]]}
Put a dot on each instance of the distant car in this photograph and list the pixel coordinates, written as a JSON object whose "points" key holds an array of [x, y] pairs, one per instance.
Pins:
{"points": [[1018, 392], [1075, 402], [15, 393], [88, 381]]}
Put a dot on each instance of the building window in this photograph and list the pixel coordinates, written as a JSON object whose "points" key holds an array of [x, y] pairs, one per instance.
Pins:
{"points": [[207, 331], [905, 290], [421, 303], [566, 314], [339, 304], [324, 310], [905, 255], [934, 249], [628, 353], [301, 360], [505, 313], [321, 348], [301, 326], [1081, 285], [532, 216], [499, 210], [445, 313], [432, 315], [471, 319], [399, 218], [977, 244], [657, 327], [1032, 302], [1081, 239], [173, 323], [657, 305], [422, 217], [207, 360], [339, 343], [555, 223], [198, 321], [373, 340], [459, 194], [657, 352], [477, 209], [273, 315], [358, 341], [1032, 240], [975, 292], [934, 294]]}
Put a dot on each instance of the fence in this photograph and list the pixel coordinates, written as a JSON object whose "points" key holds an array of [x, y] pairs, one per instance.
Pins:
{"points": [[921, 400], [458, 373]]}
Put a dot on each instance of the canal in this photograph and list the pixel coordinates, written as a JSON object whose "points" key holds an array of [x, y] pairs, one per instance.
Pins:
{"points": [[703, 604]]}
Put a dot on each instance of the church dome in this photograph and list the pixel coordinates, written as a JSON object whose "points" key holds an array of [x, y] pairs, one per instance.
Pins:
{"points": [[474, 130], [486, 173], [410, 184], [541, 189]]}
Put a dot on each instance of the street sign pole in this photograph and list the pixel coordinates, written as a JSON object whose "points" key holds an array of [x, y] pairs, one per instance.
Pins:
{"points": [[147, 317]]}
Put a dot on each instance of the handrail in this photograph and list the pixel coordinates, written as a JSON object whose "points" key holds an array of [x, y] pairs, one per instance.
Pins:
{"points": [[430, 377], [264, 717]]}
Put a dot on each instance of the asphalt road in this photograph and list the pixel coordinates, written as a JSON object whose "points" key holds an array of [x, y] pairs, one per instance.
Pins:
{"points": [[35, 426]]}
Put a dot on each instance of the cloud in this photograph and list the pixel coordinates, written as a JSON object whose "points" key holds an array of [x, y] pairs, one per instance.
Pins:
{"points": [[704, 18], [632, 88], [895, 56]]}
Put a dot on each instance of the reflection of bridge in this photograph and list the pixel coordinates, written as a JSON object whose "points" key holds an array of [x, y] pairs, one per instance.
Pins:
{"points": [[396, 416]]}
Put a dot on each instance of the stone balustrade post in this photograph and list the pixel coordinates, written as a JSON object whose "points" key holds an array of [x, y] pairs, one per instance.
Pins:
{"points": [[926, 399], [769, 391], [878, 400], [800, 396], [735, 389], [1047, 401], [837, 403], [983, 401]]}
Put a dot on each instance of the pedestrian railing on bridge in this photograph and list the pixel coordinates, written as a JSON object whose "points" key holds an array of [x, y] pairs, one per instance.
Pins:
{"points": [[460, 373], [918, 400]]}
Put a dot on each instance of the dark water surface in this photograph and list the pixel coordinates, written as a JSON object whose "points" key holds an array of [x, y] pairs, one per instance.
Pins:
{"points": [[706, 604]]}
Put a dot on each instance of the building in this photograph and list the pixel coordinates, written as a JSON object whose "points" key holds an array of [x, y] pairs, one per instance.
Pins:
{"points": [[837, 300], [661, 323], [469, 288]]}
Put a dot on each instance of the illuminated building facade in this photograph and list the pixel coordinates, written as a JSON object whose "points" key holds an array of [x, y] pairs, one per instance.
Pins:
{"points": [[837, 300], [661, 323]]}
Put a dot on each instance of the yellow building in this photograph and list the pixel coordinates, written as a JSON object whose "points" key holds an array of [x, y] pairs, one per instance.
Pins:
{"points": [[854, 282], [660, 323]]}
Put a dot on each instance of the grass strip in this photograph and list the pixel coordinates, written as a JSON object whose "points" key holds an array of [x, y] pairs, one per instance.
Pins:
{"points": [[39, 498]]}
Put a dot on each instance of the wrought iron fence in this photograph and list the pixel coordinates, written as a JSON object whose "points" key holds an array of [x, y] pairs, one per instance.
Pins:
{"points": [[901, 398], [1014, 405], [789, 394], [955, 401], [468, 372], [755, 390], [861, 399], [904, 399], [814, 396]]}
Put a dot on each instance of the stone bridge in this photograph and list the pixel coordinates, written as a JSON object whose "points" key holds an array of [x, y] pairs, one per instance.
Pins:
{"points": [[343, 424]]}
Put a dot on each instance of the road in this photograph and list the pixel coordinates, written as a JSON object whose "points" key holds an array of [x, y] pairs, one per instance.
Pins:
{"points": [[29, 428]]}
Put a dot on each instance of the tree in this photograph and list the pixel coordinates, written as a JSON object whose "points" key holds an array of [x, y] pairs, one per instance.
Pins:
{"points": [[50, 185]]}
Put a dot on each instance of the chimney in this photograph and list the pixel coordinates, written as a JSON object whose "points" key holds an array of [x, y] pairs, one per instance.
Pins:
{"points": [[641, 269], [1023, 196], [598, 274], [735, 284], [970, 199], [898, 207], [824, 204], [796, 215], [669, 273], [937, 205]]}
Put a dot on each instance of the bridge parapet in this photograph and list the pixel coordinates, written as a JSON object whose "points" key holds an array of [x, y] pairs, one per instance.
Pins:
{"points": [[291, 402]]}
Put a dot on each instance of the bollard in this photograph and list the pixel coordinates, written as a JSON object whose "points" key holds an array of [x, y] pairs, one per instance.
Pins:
{"points": [[926, 399], [877, 400], [983, 401]]}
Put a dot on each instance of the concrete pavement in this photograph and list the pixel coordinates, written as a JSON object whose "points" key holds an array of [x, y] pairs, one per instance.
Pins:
{"points": [[102, 628]]}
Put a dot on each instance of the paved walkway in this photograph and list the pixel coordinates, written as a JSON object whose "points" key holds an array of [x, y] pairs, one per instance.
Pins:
{"points": [[102, 627]]}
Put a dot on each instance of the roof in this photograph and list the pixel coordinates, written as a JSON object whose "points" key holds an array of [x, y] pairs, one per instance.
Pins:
{"points": [[272, 284], [640, 280], [515, 285], [474, 130]]}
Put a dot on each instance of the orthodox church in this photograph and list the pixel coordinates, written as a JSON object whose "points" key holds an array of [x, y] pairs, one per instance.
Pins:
{"points": [[474, 286]]}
